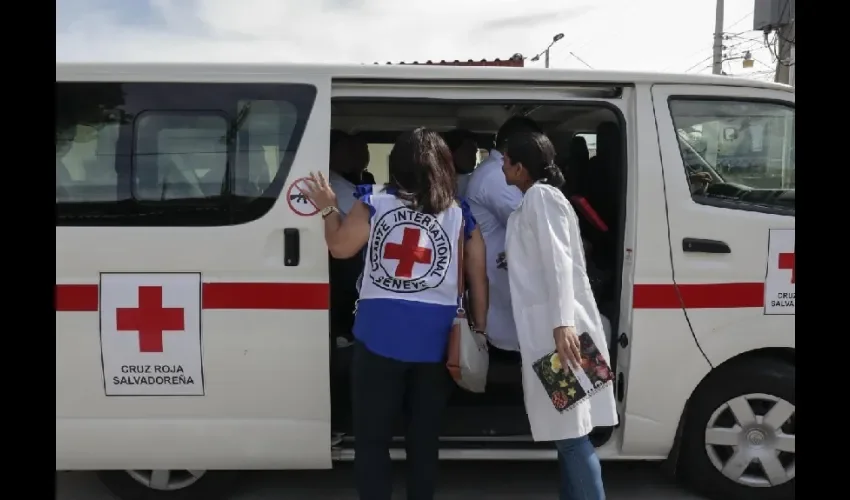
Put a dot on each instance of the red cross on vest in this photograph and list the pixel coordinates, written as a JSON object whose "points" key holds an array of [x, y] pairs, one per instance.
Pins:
{"points": [[787, 261], [407, 253], [150, 319]]}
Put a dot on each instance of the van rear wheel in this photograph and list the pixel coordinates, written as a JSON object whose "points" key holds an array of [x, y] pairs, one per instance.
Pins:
{"points": [[739, 436], [167, 484]]}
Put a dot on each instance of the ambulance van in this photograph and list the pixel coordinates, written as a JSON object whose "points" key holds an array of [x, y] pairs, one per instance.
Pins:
{"points": [[192, 277]]}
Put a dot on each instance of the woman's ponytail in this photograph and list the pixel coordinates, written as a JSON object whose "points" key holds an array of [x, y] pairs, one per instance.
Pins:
{"points": [[554, 176]]}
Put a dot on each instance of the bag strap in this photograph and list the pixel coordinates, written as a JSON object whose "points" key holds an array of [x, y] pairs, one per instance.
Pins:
{"points": [[460, 273]]}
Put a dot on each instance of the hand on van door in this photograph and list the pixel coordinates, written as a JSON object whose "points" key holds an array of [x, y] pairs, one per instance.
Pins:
{"points": [[346, 236], [475, 264], [699, 181], [568, 346], [319, 191]]}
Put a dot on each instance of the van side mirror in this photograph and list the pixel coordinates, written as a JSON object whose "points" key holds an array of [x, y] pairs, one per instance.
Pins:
{"points": [[730, 134]]}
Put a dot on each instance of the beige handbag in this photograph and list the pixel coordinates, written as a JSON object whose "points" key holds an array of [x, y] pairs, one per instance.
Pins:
{"points": [[468, 360]]}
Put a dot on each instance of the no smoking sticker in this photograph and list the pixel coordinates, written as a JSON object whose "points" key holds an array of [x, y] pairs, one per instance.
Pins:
{"points": [[298, 201], [780, 283]]}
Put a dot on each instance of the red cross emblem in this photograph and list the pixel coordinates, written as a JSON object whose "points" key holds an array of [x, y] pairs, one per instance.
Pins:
{"points": [[150, 319], [787, 261], [407, 253]]}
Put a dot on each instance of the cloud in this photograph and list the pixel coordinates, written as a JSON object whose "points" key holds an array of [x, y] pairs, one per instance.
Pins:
{"points": [[647, 35], [300, 31]]}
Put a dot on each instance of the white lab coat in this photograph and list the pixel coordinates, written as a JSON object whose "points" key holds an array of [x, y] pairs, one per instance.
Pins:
{"points": [[549, 288]]}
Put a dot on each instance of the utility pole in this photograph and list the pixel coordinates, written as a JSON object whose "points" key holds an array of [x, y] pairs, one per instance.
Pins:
{"points": [[546, 59], [717, 63], [785, 61]]}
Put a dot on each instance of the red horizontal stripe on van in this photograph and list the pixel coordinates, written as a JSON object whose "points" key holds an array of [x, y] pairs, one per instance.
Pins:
{"points": [[266, 296], [281, 296], [75, 297], [699, 296], [315, 296]]}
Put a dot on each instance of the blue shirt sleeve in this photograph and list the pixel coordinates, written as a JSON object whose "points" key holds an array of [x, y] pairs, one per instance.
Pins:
{"points": [[363, 192], [469, 222]]}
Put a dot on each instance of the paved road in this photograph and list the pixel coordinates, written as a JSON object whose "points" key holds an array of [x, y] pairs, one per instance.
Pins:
{"points": [[460, 480]]}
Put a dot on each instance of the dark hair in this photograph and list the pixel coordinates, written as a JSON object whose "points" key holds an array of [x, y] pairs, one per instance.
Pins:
{"points": [[337, 136], [537, 155], [422, 172], [456, 137], [515, 125]]}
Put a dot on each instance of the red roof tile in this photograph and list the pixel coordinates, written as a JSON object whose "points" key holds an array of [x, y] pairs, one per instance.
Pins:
{"points": [[516, 61]]}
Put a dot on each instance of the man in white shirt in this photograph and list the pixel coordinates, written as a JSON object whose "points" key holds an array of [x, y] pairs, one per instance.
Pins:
{"points": [[492, 201]]}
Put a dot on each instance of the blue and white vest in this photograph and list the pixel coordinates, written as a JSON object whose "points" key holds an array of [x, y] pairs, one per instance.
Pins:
{"points": [[411, 256]]}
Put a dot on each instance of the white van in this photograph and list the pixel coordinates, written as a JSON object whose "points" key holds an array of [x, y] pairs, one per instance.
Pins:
{"points": [[192, 286]]}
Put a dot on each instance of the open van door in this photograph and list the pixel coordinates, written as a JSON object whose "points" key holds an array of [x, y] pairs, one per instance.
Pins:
{"points": [[225, 250]]}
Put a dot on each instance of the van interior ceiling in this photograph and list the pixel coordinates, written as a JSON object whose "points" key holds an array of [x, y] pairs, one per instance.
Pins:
{"points": [[589, 141]]}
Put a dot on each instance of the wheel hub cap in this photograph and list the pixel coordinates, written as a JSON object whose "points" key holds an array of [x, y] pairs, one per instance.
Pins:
{"points": [[751, 440], [166, 480]]}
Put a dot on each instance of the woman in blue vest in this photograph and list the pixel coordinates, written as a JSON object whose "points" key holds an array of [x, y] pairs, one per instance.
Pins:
{"points": [[411, 229]]}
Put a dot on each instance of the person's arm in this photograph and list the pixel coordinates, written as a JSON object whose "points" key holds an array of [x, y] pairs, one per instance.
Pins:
{"points": [[551, 230], [500, 198], [347, 235], [475, 267]]}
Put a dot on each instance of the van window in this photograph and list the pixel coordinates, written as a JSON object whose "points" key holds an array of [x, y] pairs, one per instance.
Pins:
{"points": [[155, 154], [737, 152], [590, 140]]}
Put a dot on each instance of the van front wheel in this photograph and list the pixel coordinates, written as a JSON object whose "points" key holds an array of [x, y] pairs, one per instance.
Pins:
{"points": [[740, 432], [168, 484]]}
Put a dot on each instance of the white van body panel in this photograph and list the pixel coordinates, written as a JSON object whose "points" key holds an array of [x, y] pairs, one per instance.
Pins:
{"points": [[660, 337], [262, 409]]}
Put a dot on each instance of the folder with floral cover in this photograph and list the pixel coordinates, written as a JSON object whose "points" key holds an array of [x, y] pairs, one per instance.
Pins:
{"points": [[566, 387]]}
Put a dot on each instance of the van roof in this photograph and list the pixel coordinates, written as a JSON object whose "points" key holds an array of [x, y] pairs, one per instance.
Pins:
{"points": [[243, 72]]}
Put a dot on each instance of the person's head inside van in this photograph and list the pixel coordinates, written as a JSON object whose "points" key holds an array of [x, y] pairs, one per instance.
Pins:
{"points": [[339, 157], [464, 148], [359, 153], [421, 172], [513, 126], [530, 158]]}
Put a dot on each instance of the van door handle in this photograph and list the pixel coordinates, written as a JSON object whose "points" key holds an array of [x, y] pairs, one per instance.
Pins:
{"points": [[700, 245], [291, 246]]}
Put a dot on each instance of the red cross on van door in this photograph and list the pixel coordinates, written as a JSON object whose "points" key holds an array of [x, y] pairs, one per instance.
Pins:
{"points": [[408, 253], [150, 319], [787, 261]]}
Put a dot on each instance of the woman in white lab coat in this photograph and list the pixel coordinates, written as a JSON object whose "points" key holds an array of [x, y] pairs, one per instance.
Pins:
{"points": [[552, 305]]}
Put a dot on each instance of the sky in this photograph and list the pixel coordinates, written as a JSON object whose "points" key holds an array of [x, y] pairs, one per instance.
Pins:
{"points": [[639, 35]]}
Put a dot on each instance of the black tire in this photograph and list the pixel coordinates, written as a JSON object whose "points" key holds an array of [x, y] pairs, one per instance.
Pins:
{"points": [[751, 376], [213, 485]]}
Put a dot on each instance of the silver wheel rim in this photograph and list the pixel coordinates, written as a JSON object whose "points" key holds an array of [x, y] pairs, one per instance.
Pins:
{"points": [[166, 480], [751, 440]]}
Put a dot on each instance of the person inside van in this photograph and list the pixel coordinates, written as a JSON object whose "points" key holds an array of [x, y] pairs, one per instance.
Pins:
{"points": [[464, 148], [407, 303], [492, 201], [552, 304], [359, 151]]}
